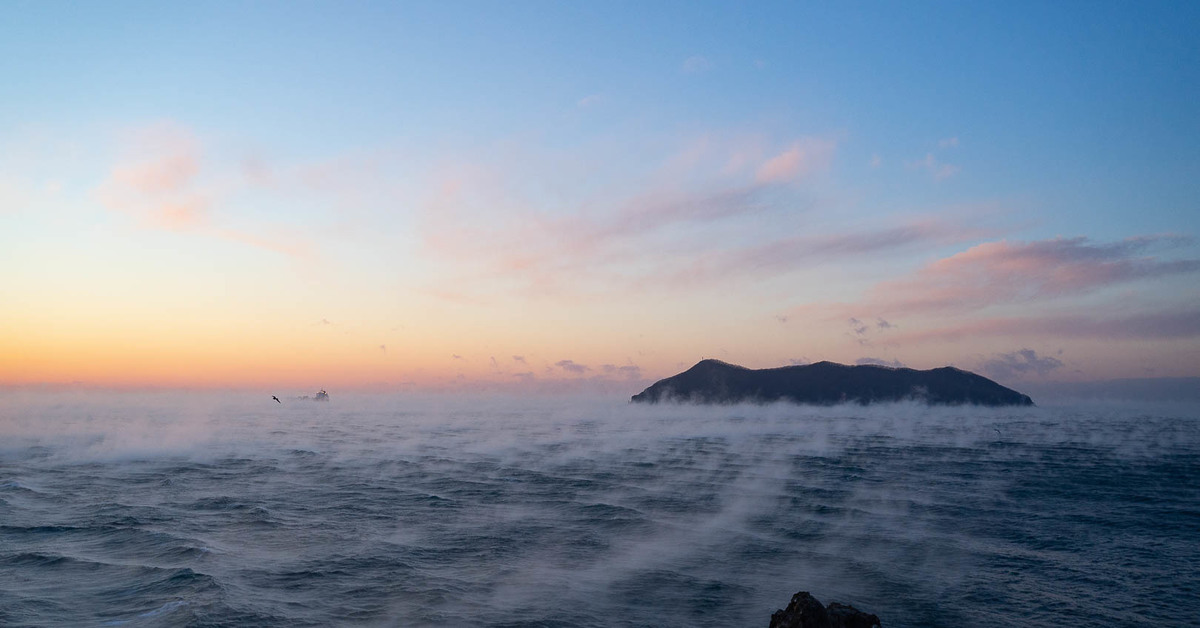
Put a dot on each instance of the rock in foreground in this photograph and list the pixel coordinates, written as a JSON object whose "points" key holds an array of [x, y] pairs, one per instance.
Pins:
{"points": [[805, 611], [827, 383]]}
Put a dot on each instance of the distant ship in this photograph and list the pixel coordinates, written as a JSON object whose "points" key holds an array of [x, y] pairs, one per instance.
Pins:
{"points": [[320, 396]]}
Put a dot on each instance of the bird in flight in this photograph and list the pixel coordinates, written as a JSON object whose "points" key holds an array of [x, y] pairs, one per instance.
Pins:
{"points": [[276, 399]]}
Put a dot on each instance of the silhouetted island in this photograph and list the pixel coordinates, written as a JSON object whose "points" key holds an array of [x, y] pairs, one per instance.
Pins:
{"points": [[828, 383]]}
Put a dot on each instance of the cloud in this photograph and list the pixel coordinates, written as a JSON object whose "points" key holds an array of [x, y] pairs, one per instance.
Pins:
{"points": [[571, 367], [897, 364], [160, 184], [1013, 272], [1020, 363], [785, 254], [971, 294], [938, 169], [876, 161], [801, 159], [949, 142], [456, 357], [519, 358], [629, 371], [503, 242], [157, 185], [654, 212], [1141, 326], [383, 348], [696, 65], [799, 361], [588, 101], [492, 361]]}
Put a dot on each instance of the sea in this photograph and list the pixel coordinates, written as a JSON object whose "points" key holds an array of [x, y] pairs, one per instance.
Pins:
{"points": [[229, 509]]}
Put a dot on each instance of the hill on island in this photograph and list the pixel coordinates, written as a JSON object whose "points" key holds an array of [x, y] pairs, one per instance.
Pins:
{"points": [[828, 383]]}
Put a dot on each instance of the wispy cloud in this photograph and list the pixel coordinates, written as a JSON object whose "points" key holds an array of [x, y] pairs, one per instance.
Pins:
{"points": [[498, 239], [157, 185], [1165, 325], [628, 371], [971, 294], [571, 366], [160, 185], [949, 142], [939, 169], [782, 255], [1019, 364], [1013, 272], [799, 161]]}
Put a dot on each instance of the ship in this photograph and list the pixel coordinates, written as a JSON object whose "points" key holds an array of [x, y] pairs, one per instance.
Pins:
{"points": [[320, 396]]}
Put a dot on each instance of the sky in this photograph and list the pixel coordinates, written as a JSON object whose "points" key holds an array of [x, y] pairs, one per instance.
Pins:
{"points": [[393, 195]]}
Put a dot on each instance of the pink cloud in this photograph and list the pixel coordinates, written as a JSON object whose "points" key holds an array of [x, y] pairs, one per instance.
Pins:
{"points": [[157, 185], [786, 254], [800, 160], [949, 299], [180, 216], [494, 233], [160, 184], [167, 161], [1012, 272]]}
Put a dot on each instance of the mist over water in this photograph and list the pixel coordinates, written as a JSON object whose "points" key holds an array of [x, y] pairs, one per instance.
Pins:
{"points": [[207, 509]]}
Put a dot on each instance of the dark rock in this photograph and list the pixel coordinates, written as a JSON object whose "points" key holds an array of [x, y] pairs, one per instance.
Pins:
{"points": [[846, 616], [828, 383], [805, 611]]}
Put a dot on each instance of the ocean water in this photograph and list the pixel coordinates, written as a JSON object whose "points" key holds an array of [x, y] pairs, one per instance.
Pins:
{"points": [[219, 510]]}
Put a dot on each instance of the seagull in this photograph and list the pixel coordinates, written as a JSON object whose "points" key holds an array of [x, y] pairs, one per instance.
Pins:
{"points": [[276, 399]]}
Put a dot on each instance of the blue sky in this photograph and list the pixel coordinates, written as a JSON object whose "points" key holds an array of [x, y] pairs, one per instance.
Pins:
{"points": [[400, 145]]}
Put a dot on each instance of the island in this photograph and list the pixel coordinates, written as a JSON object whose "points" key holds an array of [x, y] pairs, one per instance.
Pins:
{"points": [[829, 383]]}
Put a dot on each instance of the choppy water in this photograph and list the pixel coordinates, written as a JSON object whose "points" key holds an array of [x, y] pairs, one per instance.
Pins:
{"points": [[202, 510]]}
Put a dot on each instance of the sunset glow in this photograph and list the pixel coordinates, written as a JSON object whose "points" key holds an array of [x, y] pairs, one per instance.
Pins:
{"points": [[497, 195]]}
